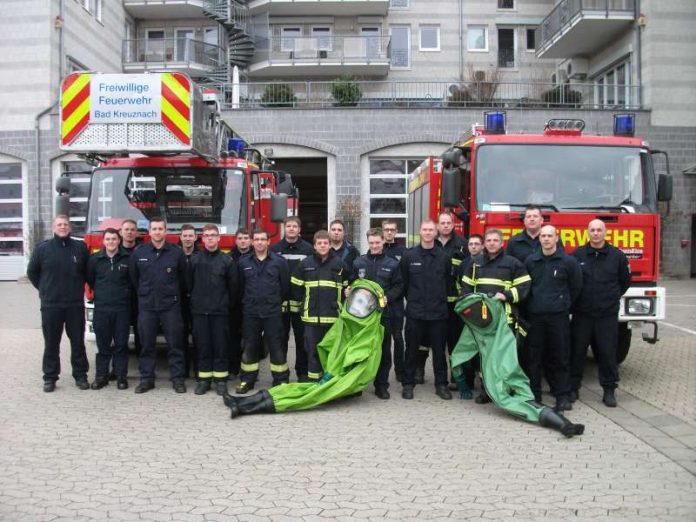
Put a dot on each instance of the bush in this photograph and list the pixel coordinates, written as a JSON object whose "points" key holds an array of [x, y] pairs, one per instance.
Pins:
{"points": [[562, 96], [346, 91], [459, 96], [278, 95]]}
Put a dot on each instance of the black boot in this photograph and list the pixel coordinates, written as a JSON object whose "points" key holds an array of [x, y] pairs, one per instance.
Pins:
{"points": [[550, 419], [260, 402]]}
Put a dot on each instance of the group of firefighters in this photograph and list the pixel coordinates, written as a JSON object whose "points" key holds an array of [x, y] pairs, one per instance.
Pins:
{"points": [[238, 305]]}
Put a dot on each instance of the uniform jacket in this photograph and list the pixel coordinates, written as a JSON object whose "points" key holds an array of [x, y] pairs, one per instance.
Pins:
{"points": [[293, 254], [263, 285], [522, 245], [109, 278], [57, 268], [606, 277], [503, 273], [158, 276], [395, 250], [347, 253], [556, 282], [318, 286], [426, 282], [384, 271], [213, 283], [457, 250], [236, 254]]}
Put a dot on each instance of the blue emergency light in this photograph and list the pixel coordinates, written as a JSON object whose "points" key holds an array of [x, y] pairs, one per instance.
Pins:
{"points": [[624, 125], [236, 145], [495, 122]]}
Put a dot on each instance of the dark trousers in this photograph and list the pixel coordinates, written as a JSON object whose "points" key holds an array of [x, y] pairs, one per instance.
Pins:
{"points": [[234, 352], [294, 320], [454, 330], [134, 324], [148, 326], [111, 330], [382, 377], [548, 343], [394, 331], [603, 333], [53, 320], [211, 335], [313, 334], [190, 355], [256, 331], [417, 330]]}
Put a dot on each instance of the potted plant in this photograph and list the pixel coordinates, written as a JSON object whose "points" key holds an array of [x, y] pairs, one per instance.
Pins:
{"points": [[278, 95], [346, 91]]}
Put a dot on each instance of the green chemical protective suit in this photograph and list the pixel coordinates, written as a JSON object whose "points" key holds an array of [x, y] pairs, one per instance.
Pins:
{"points": [[486, 332], [350, 354]]}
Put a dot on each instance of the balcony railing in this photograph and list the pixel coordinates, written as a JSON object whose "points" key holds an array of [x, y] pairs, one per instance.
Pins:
{"points": [[482, 94], [566, 12], [169, 51], [303, 49]]}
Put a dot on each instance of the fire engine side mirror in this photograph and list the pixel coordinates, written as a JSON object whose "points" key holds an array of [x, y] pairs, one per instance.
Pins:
{"points": [[452, 158], [450, 198], [279, 207], [664, 188], [63, 196], [63, 185]]}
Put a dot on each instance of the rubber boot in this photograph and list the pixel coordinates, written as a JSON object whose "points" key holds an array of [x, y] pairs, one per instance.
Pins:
{"points": [[260, 402], [550, 419]]}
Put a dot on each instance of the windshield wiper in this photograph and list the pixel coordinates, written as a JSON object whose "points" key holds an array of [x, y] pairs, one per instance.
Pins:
{"points": [[541, 206], [598, 207]]}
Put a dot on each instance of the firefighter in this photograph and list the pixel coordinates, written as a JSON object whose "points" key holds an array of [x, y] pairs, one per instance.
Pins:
{"points": [[526, 243], [242, 245], [187, 242], [317, 283], [395, 320], [556, 284], [345, 250], [129, 242], [497, 275], [57, 270], [241, 248], [212, 281], [426, 270], [158, 271], [109, 278], [294, 249], [263, 286], [383, 270], [607, 276]]}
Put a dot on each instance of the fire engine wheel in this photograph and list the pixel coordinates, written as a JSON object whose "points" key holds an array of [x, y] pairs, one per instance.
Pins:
{"points": [[624, 342]]}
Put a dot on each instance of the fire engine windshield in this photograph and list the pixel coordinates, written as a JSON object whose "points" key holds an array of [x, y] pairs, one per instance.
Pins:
{"points": [[565, 178], [181, 195]]}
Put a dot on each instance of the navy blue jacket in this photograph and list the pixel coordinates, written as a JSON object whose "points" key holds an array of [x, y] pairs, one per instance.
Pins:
{"points": [[606, 277], [109, 278], [426, 275], [158, 276], [347, 253], [212, 281], [263, 285], [522, 245], [457, 250], [556, 282], [383, 270], [317, 288], [57, 268], [395, 250]]}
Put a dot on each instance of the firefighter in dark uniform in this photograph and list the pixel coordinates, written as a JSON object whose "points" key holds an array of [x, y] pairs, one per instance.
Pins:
{"points": [[556, 284], [187, 242], [158, 271], [426, 270], [606, 277], [526, 243], [294, 249], [394, 249], [498, 275], [383, 270], [317, 284], [263, 285], [108, 276], [344, 249], [212, 282], [241, 248], [57, 269], [129, 242]]}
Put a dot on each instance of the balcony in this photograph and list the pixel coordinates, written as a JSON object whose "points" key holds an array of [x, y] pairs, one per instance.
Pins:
{"points": [[319, 7], [169, 9], [193, 57], [582, 27], [303, 56]]}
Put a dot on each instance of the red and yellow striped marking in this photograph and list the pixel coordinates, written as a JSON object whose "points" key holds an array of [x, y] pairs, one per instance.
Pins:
{"points": [[74, 106], [176, 106]]}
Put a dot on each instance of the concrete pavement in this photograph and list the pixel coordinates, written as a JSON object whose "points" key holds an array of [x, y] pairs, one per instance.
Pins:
{"points": [[113, 455]]}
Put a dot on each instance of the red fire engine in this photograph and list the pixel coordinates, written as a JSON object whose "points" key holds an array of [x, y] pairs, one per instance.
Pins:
{"points": [[160, 148], [488, 177]]}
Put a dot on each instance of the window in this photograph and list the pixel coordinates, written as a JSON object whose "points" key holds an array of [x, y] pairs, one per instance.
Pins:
{"points": [[288, 35], [399, 4], [185, 50], [613, 87], [429, 37], [11, 210], [321, 37], [506, 4], [80, 175], [373, 42], [477, 37], [506, 48], [400, 47], [531, 39], [154, 45]]}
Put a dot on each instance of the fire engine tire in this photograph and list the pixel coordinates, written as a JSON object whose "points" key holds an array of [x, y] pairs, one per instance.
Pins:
{"points": [[624, 343]]}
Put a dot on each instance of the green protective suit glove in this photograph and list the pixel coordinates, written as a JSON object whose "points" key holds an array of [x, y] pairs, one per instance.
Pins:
{"points": [[465, 392]]}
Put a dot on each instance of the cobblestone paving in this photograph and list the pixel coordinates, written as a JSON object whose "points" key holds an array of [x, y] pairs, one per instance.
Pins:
{"points": [[112, 455]]}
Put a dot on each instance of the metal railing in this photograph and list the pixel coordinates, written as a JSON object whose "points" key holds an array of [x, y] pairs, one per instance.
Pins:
{"points": [[172, 50], [567, 11], [473, 94], [298, 49]]}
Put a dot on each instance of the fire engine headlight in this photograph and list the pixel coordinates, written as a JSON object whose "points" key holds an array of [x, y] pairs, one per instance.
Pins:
{"points": [[639, 306], [89, 314]]}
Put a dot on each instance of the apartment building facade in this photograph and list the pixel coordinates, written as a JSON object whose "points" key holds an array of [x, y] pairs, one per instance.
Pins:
{"points": [[424, 70]]}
